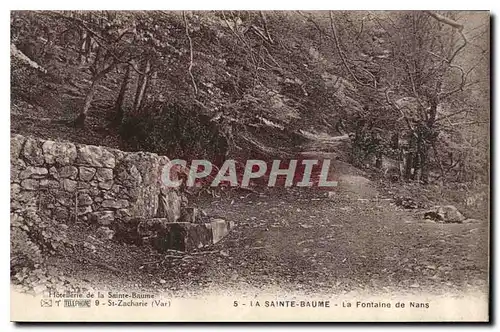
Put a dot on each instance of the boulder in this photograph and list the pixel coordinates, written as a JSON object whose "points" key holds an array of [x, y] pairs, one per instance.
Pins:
{"points": [[445, 213]]}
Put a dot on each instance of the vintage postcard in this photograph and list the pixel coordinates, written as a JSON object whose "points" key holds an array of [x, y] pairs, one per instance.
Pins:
{"points": [[250, 166]]}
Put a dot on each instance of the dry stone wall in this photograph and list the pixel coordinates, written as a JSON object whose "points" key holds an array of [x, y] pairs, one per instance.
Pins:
{"points": [[91, 183]]}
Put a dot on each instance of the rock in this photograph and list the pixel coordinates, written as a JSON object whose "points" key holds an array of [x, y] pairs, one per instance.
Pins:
{"points": [[446, 213], [105, 233], [16, 167], [220, 228], [104, 174], [135, 175], [84, 199], [30, 184], [115, 204], [102, 217], [109, 195], [95, 156], [87, 173], [16, 146], [106, 184], [25, 198], [15, 189], [65, 199], [33, 152], [69, 185], [62, 153], [33, 172], [52, 184], [128, 174], [68, 172], [54, 173]]}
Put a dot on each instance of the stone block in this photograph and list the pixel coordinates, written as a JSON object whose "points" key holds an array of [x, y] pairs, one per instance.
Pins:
{"points": [[95, 156], [182, 236], [68, 172], [104, 174], [33, 152], [62, 153], [33, 172], [87, 173], [16, 145]]}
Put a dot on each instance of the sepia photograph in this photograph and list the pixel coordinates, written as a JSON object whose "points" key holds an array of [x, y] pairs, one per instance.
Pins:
{"points": [[250, 166]]}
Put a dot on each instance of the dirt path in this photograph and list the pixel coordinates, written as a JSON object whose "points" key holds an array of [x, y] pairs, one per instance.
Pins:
{"points": [[353, 240]]}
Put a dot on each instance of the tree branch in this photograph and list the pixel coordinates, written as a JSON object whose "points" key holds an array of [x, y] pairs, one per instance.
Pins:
{"points": [[337, 44]]}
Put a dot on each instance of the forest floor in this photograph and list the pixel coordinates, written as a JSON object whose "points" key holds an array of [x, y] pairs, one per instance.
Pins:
{"points": [[353, 238]]}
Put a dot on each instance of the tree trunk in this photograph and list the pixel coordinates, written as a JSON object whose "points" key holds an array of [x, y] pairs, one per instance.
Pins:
{"points": [[80, 120], [424, 167], [83, 47], [119, 112], [141, 87], [147, 83]]}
